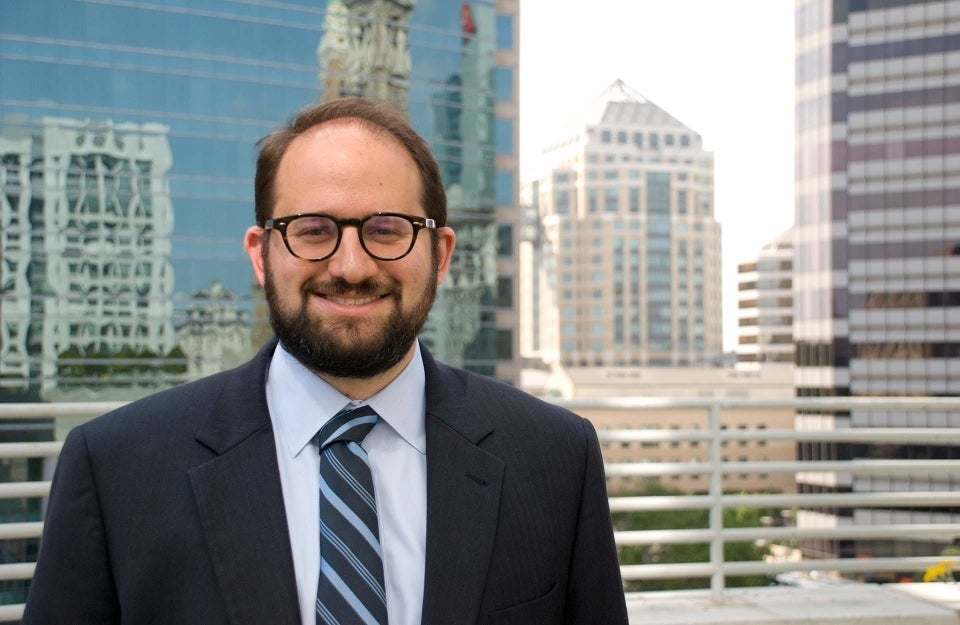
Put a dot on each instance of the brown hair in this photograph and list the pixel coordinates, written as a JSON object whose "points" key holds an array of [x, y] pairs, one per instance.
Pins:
{"points": [[371, 115]]}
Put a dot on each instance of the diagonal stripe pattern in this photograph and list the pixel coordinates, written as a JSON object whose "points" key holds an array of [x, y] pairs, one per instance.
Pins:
{"points": [[351, 589]]}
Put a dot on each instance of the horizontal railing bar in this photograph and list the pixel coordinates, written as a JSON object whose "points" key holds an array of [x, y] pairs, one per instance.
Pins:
{"points": [[851, 435], [893, 467], [15, 490], [13, 612], [43, 449], [848, 565], [666, 571], [749, 534], [19, 570], [844, 500], [659, 502], [827, 500], [761, 403], [56, 409], [30, 529]]}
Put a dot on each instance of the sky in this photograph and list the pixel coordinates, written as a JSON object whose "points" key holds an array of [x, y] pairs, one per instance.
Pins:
{"points": [[722, 67]]}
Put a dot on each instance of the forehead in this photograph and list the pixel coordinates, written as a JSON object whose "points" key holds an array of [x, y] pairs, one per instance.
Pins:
{"points": [[345, 162], [350, 138]]}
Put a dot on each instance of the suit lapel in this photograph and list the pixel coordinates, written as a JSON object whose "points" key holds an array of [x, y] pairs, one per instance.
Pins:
{"points": [[463, 500], [240, 503]]}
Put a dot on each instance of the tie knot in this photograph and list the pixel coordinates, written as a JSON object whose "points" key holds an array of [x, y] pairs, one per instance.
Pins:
{"points": [[350, 424]]}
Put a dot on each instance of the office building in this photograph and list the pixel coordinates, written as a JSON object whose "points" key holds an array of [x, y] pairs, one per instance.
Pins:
{"points": [[877, 260], [765, 306], [188, 88], [682, 383], [86, 227], [626, 241]]}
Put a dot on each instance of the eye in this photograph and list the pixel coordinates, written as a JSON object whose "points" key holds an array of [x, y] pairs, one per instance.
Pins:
{"points": [[312, 228], [386, 228]]}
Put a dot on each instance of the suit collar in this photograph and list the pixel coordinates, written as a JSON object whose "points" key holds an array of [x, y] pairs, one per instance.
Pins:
{"points": [[240, 501], [240, 409], [448, 401]]}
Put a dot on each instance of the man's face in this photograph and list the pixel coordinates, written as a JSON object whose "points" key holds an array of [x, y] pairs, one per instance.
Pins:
{"points": [[350, 315]]}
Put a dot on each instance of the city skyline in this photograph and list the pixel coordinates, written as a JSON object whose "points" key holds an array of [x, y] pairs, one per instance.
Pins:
{"points": [[712, 67]]}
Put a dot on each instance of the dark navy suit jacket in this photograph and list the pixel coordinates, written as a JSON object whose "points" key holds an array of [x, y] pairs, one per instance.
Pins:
{"points": [[169, 510]]}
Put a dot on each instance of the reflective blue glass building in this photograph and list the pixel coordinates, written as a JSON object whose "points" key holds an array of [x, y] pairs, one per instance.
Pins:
{"points": [[127, 135]]}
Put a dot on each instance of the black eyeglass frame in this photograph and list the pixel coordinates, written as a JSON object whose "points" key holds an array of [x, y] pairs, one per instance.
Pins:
{"points": [[280, 224]]}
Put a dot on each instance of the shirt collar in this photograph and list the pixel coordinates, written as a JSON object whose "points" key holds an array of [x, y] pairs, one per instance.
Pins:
{"points": [[301, 402]]}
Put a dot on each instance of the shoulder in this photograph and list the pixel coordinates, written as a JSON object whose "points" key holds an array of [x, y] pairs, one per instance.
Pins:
{"points": [[234, 391]]}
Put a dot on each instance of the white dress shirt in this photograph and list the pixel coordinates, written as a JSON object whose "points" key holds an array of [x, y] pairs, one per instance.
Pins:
{"points": [[300, 403]]}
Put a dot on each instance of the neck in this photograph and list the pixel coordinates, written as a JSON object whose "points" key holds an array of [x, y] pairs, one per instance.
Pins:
{"points": [[361, 389]]}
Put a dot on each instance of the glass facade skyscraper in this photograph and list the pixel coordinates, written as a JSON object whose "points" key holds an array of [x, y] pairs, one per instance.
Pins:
{"points": [[127, 134], [877, 248]]}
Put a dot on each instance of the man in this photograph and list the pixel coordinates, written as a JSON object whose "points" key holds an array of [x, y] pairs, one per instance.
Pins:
{"points": [[200, 504]]}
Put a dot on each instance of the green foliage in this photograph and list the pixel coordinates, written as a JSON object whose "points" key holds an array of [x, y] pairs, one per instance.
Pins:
{"points": [[120, 367], [685, 553]]}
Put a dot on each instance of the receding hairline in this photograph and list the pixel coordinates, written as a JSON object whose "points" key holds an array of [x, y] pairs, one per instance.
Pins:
{"points": [[374, 129]]}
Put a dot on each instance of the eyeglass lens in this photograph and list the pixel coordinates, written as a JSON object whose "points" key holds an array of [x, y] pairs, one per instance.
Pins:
{"points": [[383, 236]]}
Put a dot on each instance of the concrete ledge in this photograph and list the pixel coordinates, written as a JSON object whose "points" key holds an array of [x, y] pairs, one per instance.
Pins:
{"points": [[844, 604]]}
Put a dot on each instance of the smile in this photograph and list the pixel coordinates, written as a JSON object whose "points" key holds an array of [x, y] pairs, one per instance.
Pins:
{"points": [[347, 301]]}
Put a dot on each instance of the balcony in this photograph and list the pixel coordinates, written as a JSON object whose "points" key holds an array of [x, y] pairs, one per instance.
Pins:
{"points": [[823, 589]]}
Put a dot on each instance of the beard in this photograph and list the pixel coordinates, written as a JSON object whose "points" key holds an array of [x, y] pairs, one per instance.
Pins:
{"points": [[347, 348]]}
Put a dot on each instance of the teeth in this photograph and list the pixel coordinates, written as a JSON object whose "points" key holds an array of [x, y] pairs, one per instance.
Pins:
{"points": [[351, 301]]}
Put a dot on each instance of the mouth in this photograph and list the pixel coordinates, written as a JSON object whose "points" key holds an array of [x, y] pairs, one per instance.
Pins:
{"points": [[351, 301]]}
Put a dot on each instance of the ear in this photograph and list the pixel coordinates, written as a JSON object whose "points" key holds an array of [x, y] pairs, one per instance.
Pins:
{"points": [[447, 240], [253, 242]]}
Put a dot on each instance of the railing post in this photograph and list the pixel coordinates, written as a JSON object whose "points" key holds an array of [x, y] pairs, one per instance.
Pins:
{"points": [[716, 505]]}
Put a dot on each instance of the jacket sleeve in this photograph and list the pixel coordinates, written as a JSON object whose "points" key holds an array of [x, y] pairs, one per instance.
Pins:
{"points": [[73, 582], [595, 591]]}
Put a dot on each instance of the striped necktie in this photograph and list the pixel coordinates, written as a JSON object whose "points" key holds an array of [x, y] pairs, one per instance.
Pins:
{"points": [[351, 589]]}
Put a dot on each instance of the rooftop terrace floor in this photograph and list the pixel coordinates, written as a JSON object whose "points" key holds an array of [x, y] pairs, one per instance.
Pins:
{"points": [[847, 604]]}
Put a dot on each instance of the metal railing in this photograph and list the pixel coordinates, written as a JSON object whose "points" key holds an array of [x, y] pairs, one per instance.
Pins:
{"points": [[714, 499]]}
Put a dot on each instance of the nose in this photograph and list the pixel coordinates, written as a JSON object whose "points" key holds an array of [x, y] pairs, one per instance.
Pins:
{"points": [[351, 262]]}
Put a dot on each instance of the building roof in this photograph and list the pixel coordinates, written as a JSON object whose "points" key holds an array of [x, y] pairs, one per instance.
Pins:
{"points": [[620, 104]]}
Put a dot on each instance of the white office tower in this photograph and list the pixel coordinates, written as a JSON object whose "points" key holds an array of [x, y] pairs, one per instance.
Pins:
{"points": [[85, 232], [765, 307], [627, 244]]}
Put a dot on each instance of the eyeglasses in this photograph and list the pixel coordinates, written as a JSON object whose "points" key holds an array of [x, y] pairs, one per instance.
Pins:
{"points": [[384, 236]]}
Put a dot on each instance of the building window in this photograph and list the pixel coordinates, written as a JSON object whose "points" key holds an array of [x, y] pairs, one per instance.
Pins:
{"points": [[504, 291], [504, 27], [562, 203], [611, 199], [503, 84], [503, 136], [505, 240], [504, 344], [635, 199], [504, 187]]}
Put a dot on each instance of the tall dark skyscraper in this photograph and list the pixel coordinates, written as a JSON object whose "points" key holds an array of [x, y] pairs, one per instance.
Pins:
{"points": [[127, 134], [877, 248]]}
